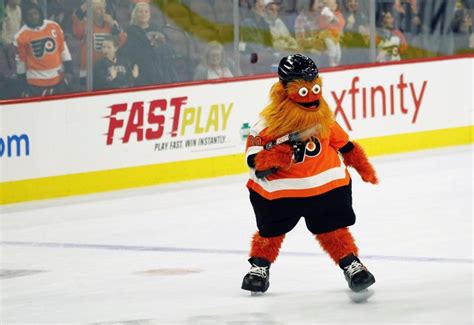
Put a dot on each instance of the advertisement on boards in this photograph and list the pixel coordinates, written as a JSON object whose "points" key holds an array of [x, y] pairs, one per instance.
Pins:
{"points": [[104, 132]]}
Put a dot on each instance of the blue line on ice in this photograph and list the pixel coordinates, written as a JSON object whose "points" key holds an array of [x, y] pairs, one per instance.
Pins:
{"points": [[224, 251]]}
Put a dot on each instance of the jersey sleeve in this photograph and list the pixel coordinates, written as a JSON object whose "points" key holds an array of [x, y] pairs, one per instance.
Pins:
{"points": [[255, 142], [62, 45], [21, 52], [338, 138]]}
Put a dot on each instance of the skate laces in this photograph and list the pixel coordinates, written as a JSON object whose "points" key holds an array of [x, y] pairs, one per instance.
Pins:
{"points": [[260, 271], [353, 268]]}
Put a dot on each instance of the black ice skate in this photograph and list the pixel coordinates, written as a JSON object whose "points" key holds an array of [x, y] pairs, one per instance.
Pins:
{"points": [[257, 280], [357, 275]]}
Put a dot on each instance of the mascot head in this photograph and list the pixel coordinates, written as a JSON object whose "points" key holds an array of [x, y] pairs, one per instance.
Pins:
{"points": [[296, 100]]}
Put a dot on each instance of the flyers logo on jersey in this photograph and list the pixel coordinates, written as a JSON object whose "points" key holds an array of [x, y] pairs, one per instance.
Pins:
{"points": [[310, 148], [42, 46]]}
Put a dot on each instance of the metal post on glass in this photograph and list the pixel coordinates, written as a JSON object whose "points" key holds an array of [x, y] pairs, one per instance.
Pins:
{"points": [[236, 33], [373, 30], [90, 46]]}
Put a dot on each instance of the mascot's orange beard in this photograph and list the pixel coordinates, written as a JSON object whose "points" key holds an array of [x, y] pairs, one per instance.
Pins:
{"points": [[284, 116]]}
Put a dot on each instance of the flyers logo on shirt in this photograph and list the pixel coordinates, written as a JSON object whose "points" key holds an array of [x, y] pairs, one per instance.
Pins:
{"points": [[42, 46], [310, 148], [98, 40]]}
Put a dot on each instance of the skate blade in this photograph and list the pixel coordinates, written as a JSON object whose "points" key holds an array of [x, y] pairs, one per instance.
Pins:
{"points": [[256, 293], [361, 296]]}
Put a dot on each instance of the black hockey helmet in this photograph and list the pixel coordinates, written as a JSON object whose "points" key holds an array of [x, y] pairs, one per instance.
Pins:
{"points": [[297, 66]]}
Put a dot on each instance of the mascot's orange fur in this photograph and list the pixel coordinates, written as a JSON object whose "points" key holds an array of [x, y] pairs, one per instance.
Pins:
{"points": [[296, 103]]}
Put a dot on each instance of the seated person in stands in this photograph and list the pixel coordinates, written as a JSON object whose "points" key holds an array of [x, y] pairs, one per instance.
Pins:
{"points": [[10, 25], [256, 43], [391, 43], [113, 71], [332, 22], [103, 25], [281, 37], [356, 37], [133, 3], [148, 48], [357, 21], [463, 33], [215, 65], [308, 30], [43, 58]]}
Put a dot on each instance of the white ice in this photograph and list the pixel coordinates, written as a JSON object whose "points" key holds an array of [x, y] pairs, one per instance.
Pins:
{"points": [[176, 254]]}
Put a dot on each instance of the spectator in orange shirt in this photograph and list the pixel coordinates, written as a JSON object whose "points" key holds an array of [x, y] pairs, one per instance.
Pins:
{"points": [[103, 25]]}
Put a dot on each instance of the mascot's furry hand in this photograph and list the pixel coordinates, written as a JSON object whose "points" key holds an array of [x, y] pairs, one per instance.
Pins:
{"points": [[358, 159], [279, 156]]}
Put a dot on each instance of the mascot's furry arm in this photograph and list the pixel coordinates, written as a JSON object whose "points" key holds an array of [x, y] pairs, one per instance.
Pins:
{"points": [[279, 156], [354, 156]]}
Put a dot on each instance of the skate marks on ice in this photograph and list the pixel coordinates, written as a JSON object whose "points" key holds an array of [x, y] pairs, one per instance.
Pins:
{"points": [[8, 274], [356, 297], [168, 272], [130, 322], [262, 318], [361, 296]]}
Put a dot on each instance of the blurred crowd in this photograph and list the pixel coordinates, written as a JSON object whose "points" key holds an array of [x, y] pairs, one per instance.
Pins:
{"points": [[44, 45]]}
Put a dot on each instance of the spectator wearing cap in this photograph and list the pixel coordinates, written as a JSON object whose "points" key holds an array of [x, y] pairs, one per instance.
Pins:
{"points": [[281, 37]]}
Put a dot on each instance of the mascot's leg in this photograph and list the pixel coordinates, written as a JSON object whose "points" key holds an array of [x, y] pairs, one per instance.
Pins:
{"points": [[263, 252], [340, 246]]}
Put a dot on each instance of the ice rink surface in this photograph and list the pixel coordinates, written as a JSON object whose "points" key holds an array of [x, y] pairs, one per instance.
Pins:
{"points": [[176, 254]]}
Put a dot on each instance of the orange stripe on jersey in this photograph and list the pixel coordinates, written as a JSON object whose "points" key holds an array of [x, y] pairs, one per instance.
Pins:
{"points": [[317, 168]]}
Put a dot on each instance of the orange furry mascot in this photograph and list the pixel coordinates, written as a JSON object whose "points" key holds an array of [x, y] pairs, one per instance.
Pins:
{"points": [[297, 154]]}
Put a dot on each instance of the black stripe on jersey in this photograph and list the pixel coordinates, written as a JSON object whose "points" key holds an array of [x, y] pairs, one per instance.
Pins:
{"points": [[347, 147]]}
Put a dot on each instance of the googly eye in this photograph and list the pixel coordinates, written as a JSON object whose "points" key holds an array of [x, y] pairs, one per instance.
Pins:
{"points": [[316, 89], [303, 91]]}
